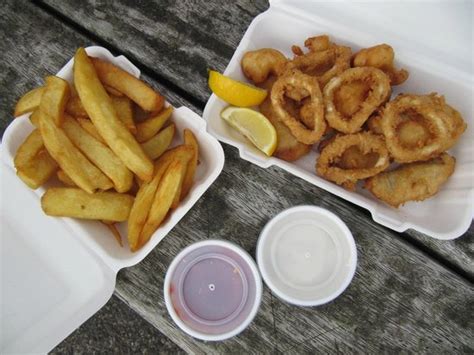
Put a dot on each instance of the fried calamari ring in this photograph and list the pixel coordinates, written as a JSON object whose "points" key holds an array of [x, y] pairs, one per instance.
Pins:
{"points": [[259, 64], [420, 127], [322, 64], [348, 158], [294, 79], [288, 148], [381, 57], [351, 97], [412, 182]]}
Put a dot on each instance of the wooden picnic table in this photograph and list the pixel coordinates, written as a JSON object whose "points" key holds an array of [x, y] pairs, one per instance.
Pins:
{"points": [[410, 292]]}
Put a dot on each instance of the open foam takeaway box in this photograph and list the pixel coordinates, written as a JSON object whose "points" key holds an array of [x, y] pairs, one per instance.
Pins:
{"points": [[57, 272]]}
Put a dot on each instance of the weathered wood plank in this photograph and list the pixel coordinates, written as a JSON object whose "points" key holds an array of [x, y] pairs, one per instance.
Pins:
{"points": [[399, 299], [181, 40], [116, 329]]}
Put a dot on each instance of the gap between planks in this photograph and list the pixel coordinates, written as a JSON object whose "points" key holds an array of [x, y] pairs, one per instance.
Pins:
{"points": [[425, 250]]}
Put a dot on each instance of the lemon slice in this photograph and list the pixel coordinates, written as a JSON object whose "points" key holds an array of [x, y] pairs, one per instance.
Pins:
{"points": [[235, 92], [253, 125]]}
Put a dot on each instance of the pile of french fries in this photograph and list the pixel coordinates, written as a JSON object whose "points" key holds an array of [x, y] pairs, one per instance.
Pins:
{"points": [[115, 167]]}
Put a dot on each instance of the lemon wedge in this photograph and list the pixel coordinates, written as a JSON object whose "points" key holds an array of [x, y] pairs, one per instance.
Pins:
{"points": [[235, 92], [253, 125]]}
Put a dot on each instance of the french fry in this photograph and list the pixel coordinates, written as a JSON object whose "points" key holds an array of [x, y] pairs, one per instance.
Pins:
{"points": [[28, 102], [99, 154], [190, 139], [74, 108], [113, 91], [150, 127], [65, 179], [123, 107], [113, 228], [33, 163], [146, 192], [74, 202], [54, 98], [135, 89], [165, 193], [158, 144], [70, 159], [90, 128], [99, 107], [34, 118]]}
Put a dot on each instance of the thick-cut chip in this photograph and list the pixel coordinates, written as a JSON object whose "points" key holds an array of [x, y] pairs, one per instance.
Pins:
{"points": [[99, 107], [34, 118], [190, 139], [90, 128], [65, 179], [113, 91], [123, 107], [134, 88], [148, 128], [73, 202], [165, 193], [147, 191], [54, 98], [70, 159], [74, 107], [99, 154], [157, 145], [33, 163], [28, 102]]}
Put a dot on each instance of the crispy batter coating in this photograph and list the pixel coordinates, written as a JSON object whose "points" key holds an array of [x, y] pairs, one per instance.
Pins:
{"points": [[381, 57], [323, 64], [295, 79], [349, 158], [288, 147], [420, 127], [259, 64], [351, 97], [412, 182]]}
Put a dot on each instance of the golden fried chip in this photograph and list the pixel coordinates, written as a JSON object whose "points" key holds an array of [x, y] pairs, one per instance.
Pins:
{"points": [[33, 163], [165, 193], [74, 202], [190, 139], [158, 144], [99, 107], [28, 102], [124, 82], [99, 154], [150, 127]]}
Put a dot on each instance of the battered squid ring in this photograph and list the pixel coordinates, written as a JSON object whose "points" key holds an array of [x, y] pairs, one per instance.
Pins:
{"points": [[443, 127], [366, 143], [323, 64], [294, 79], [259, 64], [378, 91]]}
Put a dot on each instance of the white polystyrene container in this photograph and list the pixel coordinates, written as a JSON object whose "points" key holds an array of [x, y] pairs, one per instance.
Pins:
{"points": [[432, 41], [306, 255], [57, 272]]}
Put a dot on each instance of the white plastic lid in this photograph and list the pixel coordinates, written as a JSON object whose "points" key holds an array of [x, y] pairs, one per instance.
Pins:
{"points": [[306, 255], [213, 290]]}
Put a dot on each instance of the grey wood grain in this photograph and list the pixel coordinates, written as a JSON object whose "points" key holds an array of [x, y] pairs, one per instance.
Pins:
{"points": [[116, 329], [400, 298], [180, 40]]}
